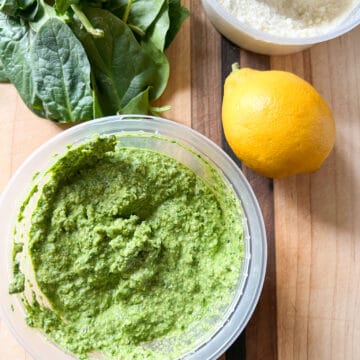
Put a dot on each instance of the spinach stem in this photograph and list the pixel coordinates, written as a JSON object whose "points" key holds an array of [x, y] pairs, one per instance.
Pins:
{"points": [[127, 11], [136, 29], [98, 33], [235, 67], [156, 111]]}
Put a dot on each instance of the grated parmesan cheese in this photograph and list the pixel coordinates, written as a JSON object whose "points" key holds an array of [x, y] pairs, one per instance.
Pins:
{"points": [[290, 18]]}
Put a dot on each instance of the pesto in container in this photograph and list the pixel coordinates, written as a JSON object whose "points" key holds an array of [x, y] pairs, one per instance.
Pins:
{"points": [[131, 249]]}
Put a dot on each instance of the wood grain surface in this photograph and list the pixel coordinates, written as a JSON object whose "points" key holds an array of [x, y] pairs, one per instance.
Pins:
{"points": [[310, 304], [317, 222]]}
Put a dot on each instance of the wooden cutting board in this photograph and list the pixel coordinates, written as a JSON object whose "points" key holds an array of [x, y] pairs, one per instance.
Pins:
{"points": [[310, 305]]}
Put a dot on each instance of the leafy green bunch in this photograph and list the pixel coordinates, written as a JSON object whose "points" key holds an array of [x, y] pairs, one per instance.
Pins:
{"points": [[74, 60]]}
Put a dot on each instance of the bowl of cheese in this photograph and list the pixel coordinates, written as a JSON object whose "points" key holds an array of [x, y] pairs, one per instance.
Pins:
{"points": [[278, 27]]}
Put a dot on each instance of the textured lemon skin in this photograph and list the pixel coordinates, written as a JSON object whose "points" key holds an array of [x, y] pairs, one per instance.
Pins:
{"points": [[276, 122]]}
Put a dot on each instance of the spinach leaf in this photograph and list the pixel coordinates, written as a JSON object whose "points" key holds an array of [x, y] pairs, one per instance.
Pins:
{"points": [[43, 14], [159, 28], [177, 14], [162, 69], [20, 8], [121, 66], [138, 105], [15, 41], [62, 5], [3, 76], [71, 76], [25, 4], [29, 13], [142, 12], [97, 111], [117, 7], [62, 73], [9, 7]]}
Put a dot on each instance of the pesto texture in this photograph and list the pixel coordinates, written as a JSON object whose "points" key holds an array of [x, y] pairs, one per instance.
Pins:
{"points": [[18, 282], [130, 247]]}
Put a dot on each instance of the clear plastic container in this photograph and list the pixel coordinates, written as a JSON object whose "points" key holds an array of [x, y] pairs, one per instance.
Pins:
{"points": [[187, 146], [265, 43]]}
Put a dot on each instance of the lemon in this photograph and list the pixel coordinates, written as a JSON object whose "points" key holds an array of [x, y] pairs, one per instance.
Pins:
{"points": [[276, 122]]}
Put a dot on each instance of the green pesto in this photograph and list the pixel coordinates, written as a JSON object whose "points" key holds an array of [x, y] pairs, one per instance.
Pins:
{"points": [[25, 203], [18, 282], [130, 246], [36, 174]]}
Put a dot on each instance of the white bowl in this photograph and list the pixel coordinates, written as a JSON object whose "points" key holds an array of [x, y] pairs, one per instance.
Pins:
{"points": [[192, 151], [263, 42]]}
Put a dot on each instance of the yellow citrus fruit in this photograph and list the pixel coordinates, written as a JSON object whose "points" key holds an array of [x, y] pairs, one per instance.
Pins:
{"points": [[276, 122]]}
